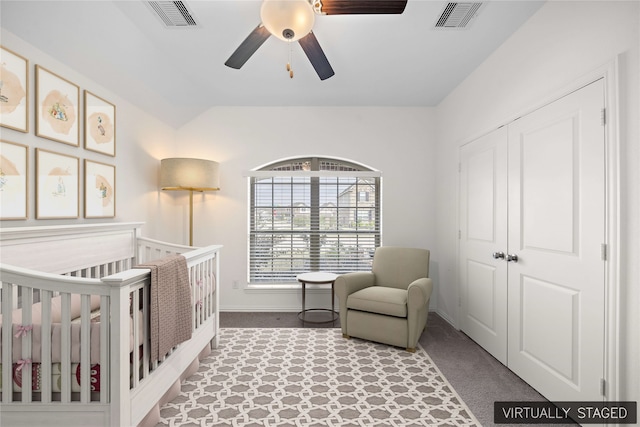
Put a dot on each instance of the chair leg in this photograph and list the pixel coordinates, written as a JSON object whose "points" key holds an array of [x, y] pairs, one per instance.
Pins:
{"points": [[345, 336], [411, 349]]}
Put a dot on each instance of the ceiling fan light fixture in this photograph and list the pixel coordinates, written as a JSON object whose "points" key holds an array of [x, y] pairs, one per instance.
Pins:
{"points": [[288, 20]]}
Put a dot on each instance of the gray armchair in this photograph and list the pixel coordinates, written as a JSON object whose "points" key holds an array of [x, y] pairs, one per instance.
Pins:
{"points": [[390, 303]]}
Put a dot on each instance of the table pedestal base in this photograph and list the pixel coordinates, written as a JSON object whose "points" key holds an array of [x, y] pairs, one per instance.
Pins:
{"points": [[303, 315]]}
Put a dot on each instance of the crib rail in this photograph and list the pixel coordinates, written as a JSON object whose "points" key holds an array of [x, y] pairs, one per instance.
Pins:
{"points": [[105, 355], [64, 306], [150, 249]]}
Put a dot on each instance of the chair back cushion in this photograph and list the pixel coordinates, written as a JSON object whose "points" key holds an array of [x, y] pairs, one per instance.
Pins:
{"points": [[398, 267]]}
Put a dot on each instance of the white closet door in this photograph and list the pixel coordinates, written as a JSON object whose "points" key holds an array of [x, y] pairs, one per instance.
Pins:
{"points": [[556, 229], [483, 232]]}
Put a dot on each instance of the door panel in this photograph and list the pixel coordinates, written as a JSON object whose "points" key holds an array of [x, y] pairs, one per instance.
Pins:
{"points": [[483, 231], [549, 173], [482, 295], [558, 351], [556, 228]]}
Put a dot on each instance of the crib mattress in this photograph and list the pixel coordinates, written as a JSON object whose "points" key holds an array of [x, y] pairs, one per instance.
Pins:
{"points": [[35, 334], [56, 377]]}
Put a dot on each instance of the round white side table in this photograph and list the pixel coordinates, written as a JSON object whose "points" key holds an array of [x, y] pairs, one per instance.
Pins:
{"points": [[317, 278]]}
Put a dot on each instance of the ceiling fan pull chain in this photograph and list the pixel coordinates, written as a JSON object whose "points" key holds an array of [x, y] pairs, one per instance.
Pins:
{"points": [[289, 68]]}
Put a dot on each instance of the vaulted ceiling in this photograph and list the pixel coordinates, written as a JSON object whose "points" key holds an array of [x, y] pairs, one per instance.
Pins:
{"points": [[177, 73]]}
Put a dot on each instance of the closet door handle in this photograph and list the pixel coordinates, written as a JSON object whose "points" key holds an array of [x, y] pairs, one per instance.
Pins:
{"points": [[498, 255], [512, 258]]}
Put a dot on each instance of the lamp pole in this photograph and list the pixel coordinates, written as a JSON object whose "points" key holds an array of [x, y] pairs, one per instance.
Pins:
{"points": [[190, 217], [191, 190]]}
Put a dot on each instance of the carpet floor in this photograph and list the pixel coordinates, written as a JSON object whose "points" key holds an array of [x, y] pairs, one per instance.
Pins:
{"points": [[314, 377]]}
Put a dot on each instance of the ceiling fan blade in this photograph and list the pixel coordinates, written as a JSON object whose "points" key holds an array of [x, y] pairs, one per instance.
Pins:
{"points": [[317, 57], [355, 7], [248, 47]]}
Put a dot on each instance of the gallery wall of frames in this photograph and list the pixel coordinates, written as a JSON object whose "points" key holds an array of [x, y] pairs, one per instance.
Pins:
{"points": [[64, 113]]}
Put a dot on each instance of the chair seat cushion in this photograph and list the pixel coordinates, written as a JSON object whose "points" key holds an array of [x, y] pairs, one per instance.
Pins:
{"points": [[379, 299]]}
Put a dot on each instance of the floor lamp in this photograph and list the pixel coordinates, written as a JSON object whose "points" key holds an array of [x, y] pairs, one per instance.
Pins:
{"points": [[189, 175]]}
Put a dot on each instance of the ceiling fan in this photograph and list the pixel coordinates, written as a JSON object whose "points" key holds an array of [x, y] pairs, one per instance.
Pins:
{"points": [[292, 20]]}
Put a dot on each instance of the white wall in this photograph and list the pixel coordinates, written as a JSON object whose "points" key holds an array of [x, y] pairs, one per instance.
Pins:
{"points": [[558, 46], [141, 140], [397, 141]]}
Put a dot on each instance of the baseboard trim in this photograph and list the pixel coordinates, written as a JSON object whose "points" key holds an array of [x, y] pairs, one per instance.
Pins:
{"points": [[245, 309]]}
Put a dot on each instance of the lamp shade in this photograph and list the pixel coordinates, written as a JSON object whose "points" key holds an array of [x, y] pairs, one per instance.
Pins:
{"points": [[189, 174], [289, 20]]}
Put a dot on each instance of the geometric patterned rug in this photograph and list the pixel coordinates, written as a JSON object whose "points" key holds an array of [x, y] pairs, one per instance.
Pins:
{"points": [[314, 377]]}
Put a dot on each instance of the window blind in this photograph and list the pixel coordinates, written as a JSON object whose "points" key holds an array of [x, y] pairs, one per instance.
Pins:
{"points": [[312, 220]]}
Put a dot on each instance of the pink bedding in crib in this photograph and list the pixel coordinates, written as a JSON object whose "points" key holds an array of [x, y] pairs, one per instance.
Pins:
{"points": [[34, 330]]}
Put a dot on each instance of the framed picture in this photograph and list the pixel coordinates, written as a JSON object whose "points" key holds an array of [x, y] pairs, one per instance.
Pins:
{"points": [[57, 188], [57, 102], [14, 172], [99, 124], [14, 91], [99, 190]]}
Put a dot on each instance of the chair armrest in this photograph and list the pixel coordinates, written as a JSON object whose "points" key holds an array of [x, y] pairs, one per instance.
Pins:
{"points": [[419, 293], [348, 283]]}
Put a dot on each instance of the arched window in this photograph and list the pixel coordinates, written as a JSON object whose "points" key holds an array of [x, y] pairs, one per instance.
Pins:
{"points": [[312, 214]]}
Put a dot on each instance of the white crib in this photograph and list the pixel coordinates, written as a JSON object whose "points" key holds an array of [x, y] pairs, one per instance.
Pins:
{"points": [[75, 323]]}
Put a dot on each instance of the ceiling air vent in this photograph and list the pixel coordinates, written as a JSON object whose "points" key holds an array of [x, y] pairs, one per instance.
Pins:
{"points": [[174, 14], [458, 15]]}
